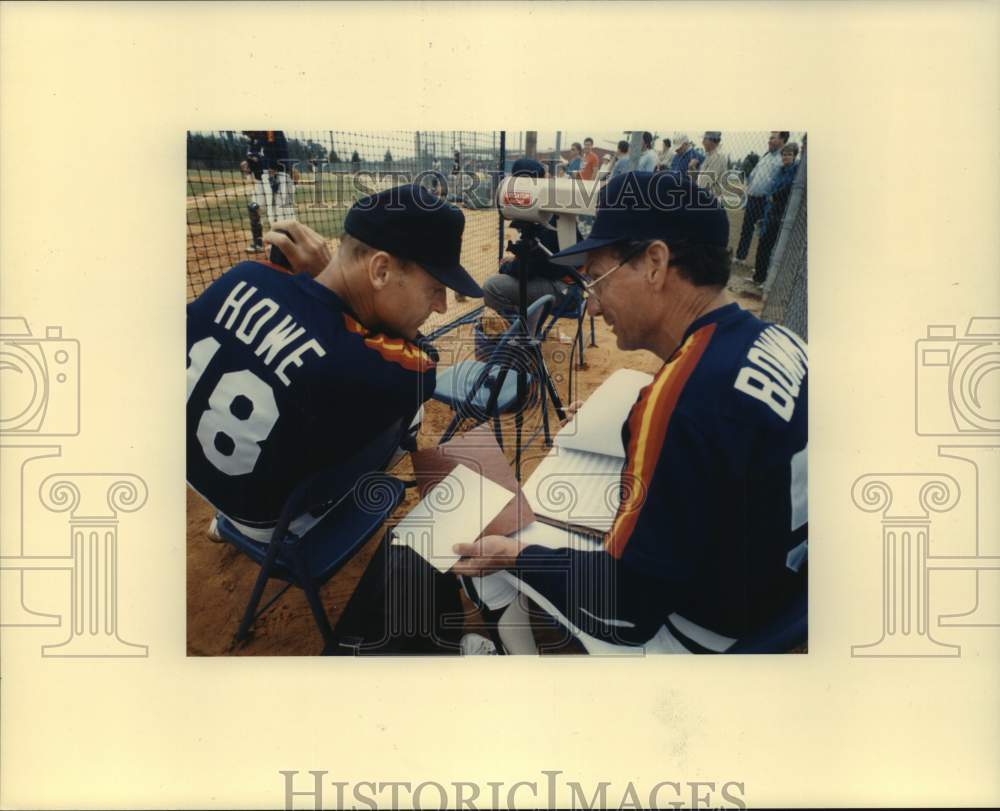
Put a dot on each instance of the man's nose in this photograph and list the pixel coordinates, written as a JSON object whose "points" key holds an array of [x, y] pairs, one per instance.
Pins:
{"points": [[440, 304]]}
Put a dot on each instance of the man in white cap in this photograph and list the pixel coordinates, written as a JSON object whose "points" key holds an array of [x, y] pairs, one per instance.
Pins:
{"points": [[684, 154]]}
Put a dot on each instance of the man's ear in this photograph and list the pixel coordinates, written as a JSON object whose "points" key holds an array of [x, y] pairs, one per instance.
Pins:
{"points": [[657, 263], [378, 269]]}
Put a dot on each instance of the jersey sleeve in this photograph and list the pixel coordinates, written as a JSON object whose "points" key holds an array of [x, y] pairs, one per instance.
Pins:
{"points": [[651, 561]]}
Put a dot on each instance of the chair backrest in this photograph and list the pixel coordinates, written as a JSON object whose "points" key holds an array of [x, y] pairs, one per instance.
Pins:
{"points": [[339, 480], [503, 357], [538, 311], [571, 303]]}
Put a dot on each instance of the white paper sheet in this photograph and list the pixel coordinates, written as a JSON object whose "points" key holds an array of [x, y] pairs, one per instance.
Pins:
{"points": [[596, 428], [455, 510], [576, 487]]}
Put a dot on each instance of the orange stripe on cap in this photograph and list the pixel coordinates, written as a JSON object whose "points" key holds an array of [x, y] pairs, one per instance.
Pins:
{"points": [[395, 350], [648, 422]]}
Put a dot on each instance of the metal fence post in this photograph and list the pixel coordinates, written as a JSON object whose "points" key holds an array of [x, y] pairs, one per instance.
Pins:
{"points": [[634, 148], [502, 166]]}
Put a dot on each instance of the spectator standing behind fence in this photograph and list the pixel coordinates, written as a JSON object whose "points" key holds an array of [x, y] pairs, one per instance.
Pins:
{"points": [[709, 169], [620, 165], [438, 183], [590, 161], [684, 155], [664, 158], [267, 154], [759, 186], [647, 157], [575, 160], [774, 211]]}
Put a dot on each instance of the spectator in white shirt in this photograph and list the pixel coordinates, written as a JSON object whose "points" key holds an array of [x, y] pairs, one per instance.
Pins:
{"points": [[666, 155], [710, 169], [758, 188]]}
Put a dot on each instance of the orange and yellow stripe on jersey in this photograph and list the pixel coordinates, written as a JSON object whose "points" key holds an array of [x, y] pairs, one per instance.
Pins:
{"points": [[647, 428], [395, 350]]}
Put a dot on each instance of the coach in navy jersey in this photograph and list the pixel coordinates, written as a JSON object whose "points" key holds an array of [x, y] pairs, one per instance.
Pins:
{"points": [[289, 373], [709, 542]]}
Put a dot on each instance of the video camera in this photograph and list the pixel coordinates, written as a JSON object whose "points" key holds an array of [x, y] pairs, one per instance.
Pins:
{"points": [[534, 201]]}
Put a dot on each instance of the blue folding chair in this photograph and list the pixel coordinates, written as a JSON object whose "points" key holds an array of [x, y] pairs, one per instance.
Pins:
{"points": [[482, 391], [362, 498], [572, 305]]}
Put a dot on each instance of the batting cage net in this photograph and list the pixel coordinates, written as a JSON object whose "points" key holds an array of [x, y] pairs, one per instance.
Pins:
{"points": [[232, 200], [241, 181]]}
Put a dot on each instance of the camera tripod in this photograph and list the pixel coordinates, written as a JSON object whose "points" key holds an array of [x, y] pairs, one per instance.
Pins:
{"points": [[527, 244]]}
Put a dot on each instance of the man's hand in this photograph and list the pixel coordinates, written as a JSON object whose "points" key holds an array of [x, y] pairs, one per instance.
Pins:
{"points": [[306, 251], [245, 167], [693, 164], [489, 554], [570, 412]]}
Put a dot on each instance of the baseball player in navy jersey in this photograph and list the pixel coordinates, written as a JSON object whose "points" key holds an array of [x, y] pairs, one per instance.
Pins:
{"points": [[709, 542], [267, 167], [289, 372]]}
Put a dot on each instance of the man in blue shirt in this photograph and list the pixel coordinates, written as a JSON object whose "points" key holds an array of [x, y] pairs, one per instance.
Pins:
{"points": [[759, 186], [621, 160], [774, 211], [709, 543], [685, 153]]}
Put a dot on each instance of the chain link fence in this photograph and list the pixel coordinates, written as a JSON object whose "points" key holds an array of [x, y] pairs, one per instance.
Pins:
{"points": [[318, 175], [324, 172], [751, 172]]}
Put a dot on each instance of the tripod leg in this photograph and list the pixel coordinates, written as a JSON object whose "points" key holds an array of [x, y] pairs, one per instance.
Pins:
{"points": [[522, 392], [551, 388], [456, 421]]}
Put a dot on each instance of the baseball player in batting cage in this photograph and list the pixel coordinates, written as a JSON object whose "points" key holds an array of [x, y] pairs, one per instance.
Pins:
{"points": [[272, 189]]}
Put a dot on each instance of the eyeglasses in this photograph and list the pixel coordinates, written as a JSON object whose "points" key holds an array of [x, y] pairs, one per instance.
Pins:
{"points": [[589, 283]]}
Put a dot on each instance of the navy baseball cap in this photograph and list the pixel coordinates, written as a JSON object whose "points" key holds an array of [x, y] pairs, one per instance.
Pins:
{"points": [[643, 206], [527, 167], [411, 222]]}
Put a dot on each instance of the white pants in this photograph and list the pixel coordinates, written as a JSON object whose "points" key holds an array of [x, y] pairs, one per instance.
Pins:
{"points": [[280, 204]]}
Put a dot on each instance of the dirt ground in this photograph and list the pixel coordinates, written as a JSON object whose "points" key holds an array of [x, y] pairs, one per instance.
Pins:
{"points": [[219, 579]]}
